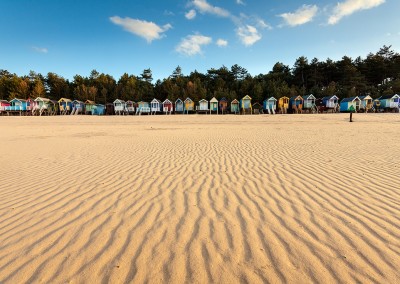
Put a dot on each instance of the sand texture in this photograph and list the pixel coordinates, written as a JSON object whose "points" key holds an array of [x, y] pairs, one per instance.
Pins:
{"points": [[200, 199]]}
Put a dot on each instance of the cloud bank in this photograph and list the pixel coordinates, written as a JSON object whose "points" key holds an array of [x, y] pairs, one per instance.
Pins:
{"points": [[349, 7], [301, 16]]}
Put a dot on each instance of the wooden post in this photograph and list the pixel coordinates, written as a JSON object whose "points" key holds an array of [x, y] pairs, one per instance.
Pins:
{"points": [[351, 116]]}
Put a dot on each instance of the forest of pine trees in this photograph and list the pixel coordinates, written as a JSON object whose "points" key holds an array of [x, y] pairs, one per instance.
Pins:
{"points": [[377, 74]]}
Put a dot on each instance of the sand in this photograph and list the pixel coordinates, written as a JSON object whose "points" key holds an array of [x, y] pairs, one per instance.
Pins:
{"points": [[200, 199]]}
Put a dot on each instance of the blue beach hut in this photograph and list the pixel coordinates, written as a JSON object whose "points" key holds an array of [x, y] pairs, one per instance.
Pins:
{"points": [[270, 105], [350, 104]]}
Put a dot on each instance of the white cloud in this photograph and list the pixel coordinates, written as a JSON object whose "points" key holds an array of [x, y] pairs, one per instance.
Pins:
{"points": [[222, 42], [148, 30], [191, 45], [301, 16], [248, 35], [40, 49], [239, 2], [204, 7], [349, 7], [191, 14], [263, 25]]}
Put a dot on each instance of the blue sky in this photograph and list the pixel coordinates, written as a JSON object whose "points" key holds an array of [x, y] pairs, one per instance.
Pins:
{"points": [[74, 36]]}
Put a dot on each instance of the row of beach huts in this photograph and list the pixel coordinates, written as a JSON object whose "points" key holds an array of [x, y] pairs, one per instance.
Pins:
{"points": [[297, 104]]}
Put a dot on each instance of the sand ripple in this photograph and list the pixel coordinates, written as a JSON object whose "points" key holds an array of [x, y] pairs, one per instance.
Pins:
{"points": [[200, 199]]}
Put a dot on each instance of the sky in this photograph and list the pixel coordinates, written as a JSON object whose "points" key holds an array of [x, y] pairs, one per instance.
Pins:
{"points": [[72, 37]]}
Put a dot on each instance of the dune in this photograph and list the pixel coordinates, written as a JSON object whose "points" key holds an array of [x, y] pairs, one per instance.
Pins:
{"points": [[200, 199]]}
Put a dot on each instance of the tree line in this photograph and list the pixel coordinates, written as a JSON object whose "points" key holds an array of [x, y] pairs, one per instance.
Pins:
{"points": [[378, 74]]}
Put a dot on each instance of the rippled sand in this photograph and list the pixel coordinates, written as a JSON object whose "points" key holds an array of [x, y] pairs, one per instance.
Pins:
{"points": [[200, 199]]}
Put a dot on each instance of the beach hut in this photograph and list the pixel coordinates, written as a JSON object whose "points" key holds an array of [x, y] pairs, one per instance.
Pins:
{"points": [[350, 104], [214, 105], [390, 102], [78, 107], [202, 107], [269, 105], [143, 107], [89, 106], [109, 109], [283, 104], [167, 106], [377, 105], [245, 105], [65, 105], [53, 107], [98, 109], [120, 107], [223, 105], [257, 108], [235, 106], [179, 106], [328, 103], [367, 103], [155, 106], [130, 107], [296, 104], [309, 103], [41, 106], [188, 105], [17, 105], [3, 105]]}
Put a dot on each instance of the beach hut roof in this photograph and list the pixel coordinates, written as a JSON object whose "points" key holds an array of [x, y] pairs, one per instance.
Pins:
{"points": [[270, 99], [351, 99], [42, 99], [156, 101], [246, 97], [188, 99], [3, 101], [119, 101], [330, 97], [235, 101], [389, 97], [178, 100], [15, 99], [295, 98], [77, 102], [367, 97], [64, 100], [223, 99], [167, 101], [309, 97], [89, 102], [213, 100], [203, 101]]}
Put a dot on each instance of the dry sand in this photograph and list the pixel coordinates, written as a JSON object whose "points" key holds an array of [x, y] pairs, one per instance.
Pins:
{"points": [[200, 199]]}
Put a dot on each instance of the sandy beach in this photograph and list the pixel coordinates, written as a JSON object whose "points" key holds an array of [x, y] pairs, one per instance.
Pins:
{"points": [[200, 199]]}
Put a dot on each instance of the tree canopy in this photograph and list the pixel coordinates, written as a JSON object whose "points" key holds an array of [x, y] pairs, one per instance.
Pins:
{"points": [[376, 75]]}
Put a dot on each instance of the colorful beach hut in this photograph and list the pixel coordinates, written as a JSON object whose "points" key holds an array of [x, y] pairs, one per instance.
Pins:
{"points": [[296, 104], [65, 105], [41, 105], [202, 107], [120, 107], [223, 105], [269, 105], [179, 106], [89, 105], [366, 104], [309, 103], [156, 106], [78, 107], [3, 105], [283, 104], [130, 107], [188, 105], [167, 106], [214, 105], [350, 104], [17, 105], [143, 107], [245, 105], [235, 106], [390, 102], [98, 109], [328, 103]]}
